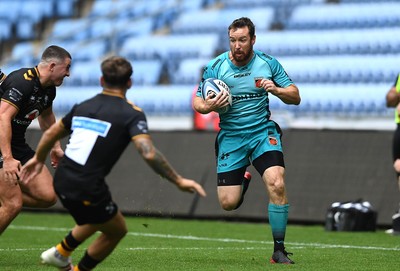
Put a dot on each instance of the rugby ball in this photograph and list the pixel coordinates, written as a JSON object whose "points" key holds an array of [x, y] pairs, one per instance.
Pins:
{"points": [[211, 87]]}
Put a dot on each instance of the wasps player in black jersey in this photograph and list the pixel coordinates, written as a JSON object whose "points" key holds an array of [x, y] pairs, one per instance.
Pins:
{"points": [[100, 129], [2, 76], [26, 94]]}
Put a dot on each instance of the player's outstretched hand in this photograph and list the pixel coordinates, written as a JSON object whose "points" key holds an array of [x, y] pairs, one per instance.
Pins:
{"points": [[30, 170], [190, 186], [55, 155]]}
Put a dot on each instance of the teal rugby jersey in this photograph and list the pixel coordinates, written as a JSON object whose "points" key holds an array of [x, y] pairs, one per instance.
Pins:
{"points": [[250, 104]]}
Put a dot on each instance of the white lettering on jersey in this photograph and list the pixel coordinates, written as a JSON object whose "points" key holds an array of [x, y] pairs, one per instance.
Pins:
{"points": [[84, 135]]}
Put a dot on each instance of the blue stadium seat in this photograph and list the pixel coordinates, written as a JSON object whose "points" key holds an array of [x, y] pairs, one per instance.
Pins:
{"points": [[24, 54], [25, 29], [174, 101], [10, 10], [126, 28], [262, 3], [171, 101], [90, 50], [351, 15], [84, 73], [101, 28], [68, 96], [103, 8], [189, 71], [341, 68], [171, 46], [218, 20], [65, 8], [88, 72], [119, 29], [128, 8], [35, 11], [191, 5], [70, 29], [341, 99], [146, 72], [329, 42], [5, 29]]}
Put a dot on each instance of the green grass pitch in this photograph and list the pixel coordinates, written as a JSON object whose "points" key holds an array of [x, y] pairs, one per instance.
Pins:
{"points": [[173, 244]]}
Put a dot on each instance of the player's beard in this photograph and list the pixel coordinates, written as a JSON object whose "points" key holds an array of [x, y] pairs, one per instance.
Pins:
{"points": [[243, 57]]}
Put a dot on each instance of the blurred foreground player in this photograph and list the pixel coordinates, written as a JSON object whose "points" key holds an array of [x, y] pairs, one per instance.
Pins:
{"points": [[27, 94], [2, 76], [393, 100], [101, 128], [247, 134]]}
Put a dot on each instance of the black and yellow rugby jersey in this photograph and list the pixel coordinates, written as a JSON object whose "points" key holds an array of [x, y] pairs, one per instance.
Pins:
{"points": [[101, 128], [22, 89]]}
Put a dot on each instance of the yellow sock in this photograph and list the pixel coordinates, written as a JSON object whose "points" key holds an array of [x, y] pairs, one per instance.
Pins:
{"points": [[62, 251]]}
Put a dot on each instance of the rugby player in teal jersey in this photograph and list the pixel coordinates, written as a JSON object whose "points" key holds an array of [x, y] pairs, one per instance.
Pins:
{"points": [[247, 134]]}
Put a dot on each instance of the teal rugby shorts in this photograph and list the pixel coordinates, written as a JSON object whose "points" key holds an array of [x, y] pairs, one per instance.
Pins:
{"points": [[237, 149]]}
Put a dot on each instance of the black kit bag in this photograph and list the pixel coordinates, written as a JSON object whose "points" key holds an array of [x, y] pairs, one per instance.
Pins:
{"points": [[351, 216]]}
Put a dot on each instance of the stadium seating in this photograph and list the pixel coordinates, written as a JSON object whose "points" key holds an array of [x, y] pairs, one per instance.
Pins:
{"points": [[218, 20], [146, 72], [189, 71], [259, 3], [84, 73], [349, 15], [329, 45], [13, 8], [65, 8], [70, 29], [341, 68], [165, 47], [24, 53], [341, 100], [170, 101], [87, 73], [5, 29], [332, 42]]}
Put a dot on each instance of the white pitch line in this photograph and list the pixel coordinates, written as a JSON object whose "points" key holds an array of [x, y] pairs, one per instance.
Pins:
{"points": [[221, 240]]}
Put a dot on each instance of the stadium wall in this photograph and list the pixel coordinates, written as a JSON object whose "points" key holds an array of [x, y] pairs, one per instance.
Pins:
{"points": [[323, 166]]}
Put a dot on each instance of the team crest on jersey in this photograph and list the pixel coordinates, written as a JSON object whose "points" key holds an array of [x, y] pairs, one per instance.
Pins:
{"points": [[272, 140], [257, 81]]}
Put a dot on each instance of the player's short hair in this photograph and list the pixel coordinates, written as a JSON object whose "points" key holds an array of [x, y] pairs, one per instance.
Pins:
{"points": [[116, 71], [243, 22], [54, 52]]}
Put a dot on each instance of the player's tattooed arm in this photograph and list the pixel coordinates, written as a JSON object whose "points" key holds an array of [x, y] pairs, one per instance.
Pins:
{"points": [[155, 159]]}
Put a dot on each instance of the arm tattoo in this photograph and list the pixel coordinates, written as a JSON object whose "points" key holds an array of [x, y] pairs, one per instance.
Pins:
{"points": [[156, 160]]}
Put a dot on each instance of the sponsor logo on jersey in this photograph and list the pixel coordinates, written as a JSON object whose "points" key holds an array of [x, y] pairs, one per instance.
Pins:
{"points": [[22, 122], [142, 126], [98, 126], [15, 95], [247, 96], [33, 114], [242, 75]]}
